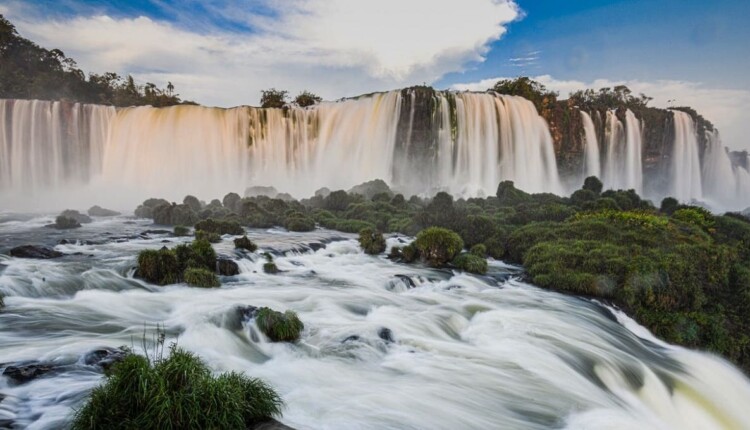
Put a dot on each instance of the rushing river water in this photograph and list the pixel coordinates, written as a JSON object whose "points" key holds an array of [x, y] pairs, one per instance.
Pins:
{"points": [[459, 352]]}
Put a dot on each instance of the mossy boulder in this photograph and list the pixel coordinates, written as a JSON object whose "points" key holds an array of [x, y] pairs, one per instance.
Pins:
{"points": [[200, 277], [82, 218], [65, 223], [372, 242], [437, 246], [297, 221], [277, 326], [245, 243], [174, 214], [270, 268], [227, 267]]}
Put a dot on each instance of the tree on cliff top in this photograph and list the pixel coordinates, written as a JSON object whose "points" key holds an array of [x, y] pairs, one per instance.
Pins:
{"points": [[28, 71], [527, 88], [306, 98], [273, 98]]}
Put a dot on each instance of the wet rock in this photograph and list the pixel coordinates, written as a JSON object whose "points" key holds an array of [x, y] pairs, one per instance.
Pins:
{"points": [[316, 246], [227, 267], [386, 334], [104, 357], [156, 231], [247, 312], [100, 211], [25, 373], [33, 251], [64, 223], [82, 218], [352, 338]]}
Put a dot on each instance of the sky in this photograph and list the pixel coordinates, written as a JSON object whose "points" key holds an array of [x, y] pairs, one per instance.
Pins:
{"points": [[223, 53]]}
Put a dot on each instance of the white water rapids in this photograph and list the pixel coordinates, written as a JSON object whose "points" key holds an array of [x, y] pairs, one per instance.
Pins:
{"points": [[467, 352]]}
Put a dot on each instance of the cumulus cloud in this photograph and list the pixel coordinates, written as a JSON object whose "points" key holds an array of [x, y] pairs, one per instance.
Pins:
{"points": [[335, 48], [727, 109]]}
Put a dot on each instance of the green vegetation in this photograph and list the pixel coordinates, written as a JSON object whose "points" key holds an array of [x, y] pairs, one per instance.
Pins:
{"points": [[200, 277], [170, 266], [273, 98], [181, 230], [208, 236], [279, 327], [28, 71], [372, 242], [306, 98], [177, 392], [470, 262], [438, 246], [528, 89], [220, 226]]}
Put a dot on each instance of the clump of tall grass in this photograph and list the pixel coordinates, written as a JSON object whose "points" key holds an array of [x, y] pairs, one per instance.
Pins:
{"points": [[176, 392]]}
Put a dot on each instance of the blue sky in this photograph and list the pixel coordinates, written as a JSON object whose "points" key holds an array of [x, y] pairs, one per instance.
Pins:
{"points": [[222, 52]]}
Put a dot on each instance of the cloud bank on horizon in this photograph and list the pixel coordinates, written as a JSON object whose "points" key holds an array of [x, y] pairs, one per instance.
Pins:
{"points": [[222, 53]]}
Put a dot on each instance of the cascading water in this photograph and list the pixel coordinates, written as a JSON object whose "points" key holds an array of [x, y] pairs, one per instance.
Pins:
{"points": [[49, 145], [593, 161], [470, 143], [623, 168], [686, 183], [724, 184]]}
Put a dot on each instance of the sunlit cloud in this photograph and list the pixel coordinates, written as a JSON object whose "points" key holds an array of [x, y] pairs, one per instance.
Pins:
{"points": [[334, 48]]}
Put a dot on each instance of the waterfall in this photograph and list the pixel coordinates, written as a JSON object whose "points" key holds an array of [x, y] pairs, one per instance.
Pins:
{"points": [[686, 168], [724, 184], [623, 168], [593, 166], [465, 143], [50, 145]]}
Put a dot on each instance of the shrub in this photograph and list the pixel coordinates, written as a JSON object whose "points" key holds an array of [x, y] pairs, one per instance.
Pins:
{"points": [[193, 203], [279, 327], [480, 250], [593, 184], [299, 222], [207, 236], [470, 263], [158, 266], [410, 253], [230, 201], [696, 216], [245, 243], [181, 230], [145, 210], [669, 205], [176, 392], [372, 242], [509, 195], [200, 277], [220, 227], [581, 197], [438, 245], [477, 228]]}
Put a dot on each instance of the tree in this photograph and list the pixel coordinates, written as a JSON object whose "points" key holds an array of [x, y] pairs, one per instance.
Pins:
{"points": [[273, 98], [306, 98], [170, 88], [528, 89]]}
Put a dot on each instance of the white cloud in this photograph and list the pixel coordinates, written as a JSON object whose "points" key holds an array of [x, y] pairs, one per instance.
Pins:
{"points": [[727, 109], [335, 48]]}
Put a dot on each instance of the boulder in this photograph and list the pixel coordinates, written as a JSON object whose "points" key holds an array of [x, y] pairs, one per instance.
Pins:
{"points": [[100, 211], [369, 189], [104, 358], [24, 373], [227, 267], [34, 251], [82, 218], [64, 223]]}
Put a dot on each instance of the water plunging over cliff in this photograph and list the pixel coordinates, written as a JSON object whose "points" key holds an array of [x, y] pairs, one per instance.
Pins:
{"points": [[686, 183], [465, 144], [623, 167], [592, 157]]}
